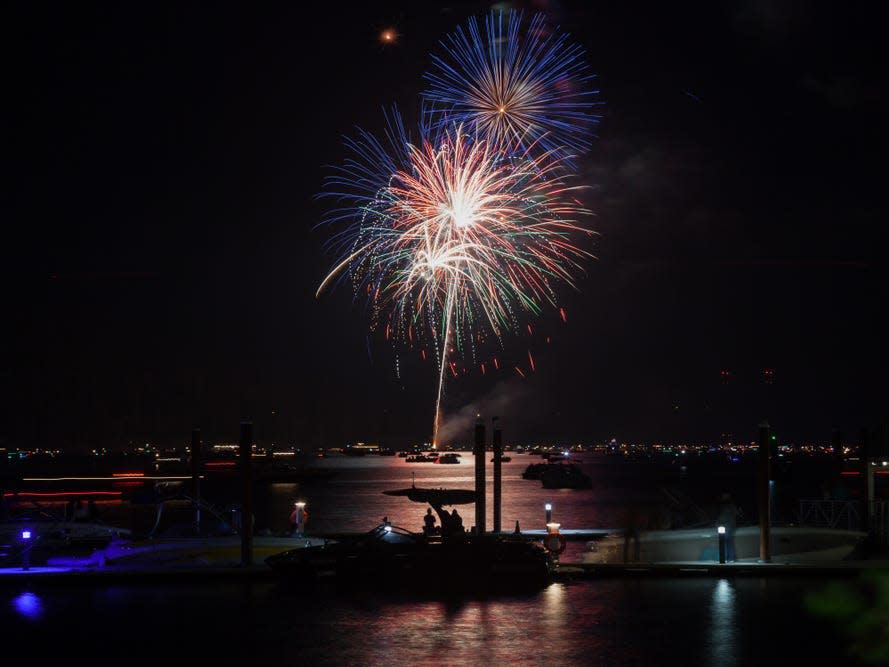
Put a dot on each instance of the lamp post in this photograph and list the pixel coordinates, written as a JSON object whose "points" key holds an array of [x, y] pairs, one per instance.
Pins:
{"points": [[26, 552], [721, 531], [548, 507]]}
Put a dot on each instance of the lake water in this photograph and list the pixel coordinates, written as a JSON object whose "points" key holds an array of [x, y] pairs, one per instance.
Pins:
{"points": [[607, 621]]}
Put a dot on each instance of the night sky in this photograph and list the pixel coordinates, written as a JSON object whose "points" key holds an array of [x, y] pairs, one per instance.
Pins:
{"points": [[160, 253]]}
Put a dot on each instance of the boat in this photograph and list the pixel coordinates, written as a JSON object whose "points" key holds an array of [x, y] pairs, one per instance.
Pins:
{"points": [[791, 544], [565, 476], [503, 459], [40, 538], [449, 457], [534, 470], [419, 458], [390, 557]]}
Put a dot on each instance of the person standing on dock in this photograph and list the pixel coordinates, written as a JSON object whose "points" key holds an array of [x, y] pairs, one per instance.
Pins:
{"points": [[633, 524]]}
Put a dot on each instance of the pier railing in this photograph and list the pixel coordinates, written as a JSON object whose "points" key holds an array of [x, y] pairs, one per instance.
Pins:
{"points": [[844, 514], [848, 515]]}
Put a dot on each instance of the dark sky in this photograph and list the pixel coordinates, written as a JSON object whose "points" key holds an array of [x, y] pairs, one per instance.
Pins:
{"points": [[160, 256]]}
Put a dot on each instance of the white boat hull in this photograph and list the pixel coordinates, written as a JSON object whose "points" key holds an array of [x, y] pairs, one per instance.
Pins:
{"points": [[788, 544]]}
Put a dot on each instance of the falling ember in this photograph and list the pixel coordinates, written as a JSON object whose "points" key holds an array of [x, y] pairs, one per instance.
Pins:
{"points": [[530, 330], [423, 354], [519, 371], [483, 369], [388, 331], [548, 340], [531, 361], [563, 314], [496, 364]]}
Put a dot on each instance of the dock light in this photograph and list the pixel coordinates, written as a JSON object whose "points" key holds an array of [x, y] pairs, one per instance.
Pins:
{"points": [[721, 531], [388, 528], [26, 552], [553, 528], [549, 512]]}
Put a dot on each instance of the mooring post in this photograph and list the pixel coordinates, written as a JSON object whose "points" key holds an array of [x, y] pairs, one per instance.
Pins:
{"points": [[196, 477], [765, 517], [246, 462], [497, 446], [479, 451]]}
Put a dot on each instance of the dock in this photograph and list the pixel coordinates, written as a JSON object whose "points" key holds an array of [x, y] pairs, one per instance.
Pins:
{"points": [[197, 560]]}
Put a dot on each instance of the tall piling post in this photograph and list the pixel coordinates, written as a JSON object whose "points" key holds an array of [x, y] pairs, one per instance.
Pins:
{"points": [[246, 463], [478, 451], [196, 477], [765, 505], [497, 446]]}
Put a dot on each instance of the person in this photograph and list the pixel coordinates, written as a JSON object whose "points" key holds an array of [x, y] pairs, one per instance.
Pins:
{"points": [[728, 517], [632, 526], [81, 512], [429, 522], [456, 522], [298, 518]]}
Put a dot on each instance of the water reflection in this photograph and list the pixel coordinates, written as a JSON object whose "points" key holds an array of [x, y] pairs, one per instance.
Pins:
{"points": [[723, 639], [29, 605]]}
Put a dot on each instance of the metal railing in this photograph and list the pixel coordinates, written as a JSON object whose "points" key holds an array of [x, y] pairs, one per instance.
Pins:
{"points": [[844, 514]]}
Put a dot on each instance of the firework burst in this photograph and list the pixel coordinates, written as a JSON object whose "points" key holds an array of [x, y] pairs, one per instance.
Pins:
{"points": [[450, 237], [516, 87]]}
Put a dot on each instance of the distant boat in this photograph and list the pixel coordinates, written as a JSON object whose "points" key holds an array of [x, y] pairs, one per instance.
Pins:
{"points": [[449, 457], [503, 459], [420, 458], [565, 476], [793, 544]]}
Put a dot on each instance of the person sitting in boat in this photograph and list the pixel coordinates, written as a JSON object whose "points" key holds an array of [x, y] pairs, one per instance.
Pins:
{"points": [[456, 523], [429, 522]]}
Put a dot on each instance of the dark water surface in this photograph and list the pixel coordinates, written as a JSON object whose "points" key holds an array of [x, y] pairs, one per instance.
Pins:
{"points": [[607, 621], [699, 621]]}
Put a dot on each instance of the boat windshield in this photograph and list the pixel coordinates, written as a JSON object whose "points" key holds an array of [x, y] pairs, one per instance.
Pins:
{"points": [[390, 534]]}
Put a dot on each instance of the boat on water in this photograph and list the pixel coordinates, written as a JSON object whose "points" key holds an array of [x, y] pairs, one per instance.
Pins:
{"points": [[790, 544], [389, 557], [41, 538], [564, 476], [449, 457]]}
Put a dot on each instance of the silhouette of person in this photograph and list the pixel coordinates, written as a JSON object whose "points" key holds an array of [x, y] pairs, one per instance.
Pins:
{"points": [[633, 521], [456, 523], [81, 512], [429, 522], [728, 517]]}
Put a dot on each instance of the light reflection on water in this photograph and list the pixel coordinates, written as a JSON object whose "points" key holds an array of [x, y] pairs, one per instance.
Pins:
{"points": [[698, 621]]}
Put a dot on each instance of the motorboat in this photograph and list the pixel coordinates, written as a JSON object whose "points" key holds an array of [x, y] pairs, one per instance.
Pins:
{"points": [[792, 544], [449, 457], [40, 538], [564, 476], [389, 557]]}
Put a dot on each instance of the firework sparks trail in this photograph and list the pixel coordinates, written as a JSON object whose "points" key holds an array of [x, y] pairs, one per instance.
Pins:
{"points": [[451, 237], [514, 87]]}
